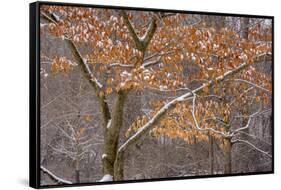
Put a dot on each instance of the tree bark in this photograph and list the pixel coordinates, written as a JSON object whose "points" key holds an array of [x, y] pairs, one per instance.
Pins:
{"points": [[245, 30], [111, 134], [77, 176], [227, 155], [211, 155], [119, 166]]}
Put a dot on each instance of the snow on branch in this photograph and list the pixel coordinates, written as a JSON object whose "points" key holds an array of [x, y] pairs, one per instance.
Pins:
{"points": [[253, 146], [248, 122], [120, 65], [145, 64], [150, 63], [54, 177], [197, 125], [108, 124], [88, 74], [252, 84], [168, 90], [81, 61], [170, 105], [85, 69], [131, 30], [140, 42]]}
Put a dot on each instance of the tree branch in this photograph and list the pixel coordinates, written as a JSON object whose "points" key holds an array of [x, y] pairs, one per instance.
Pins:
{"points": [[86, 71], [132, 30], [149, 33], [252, 145], [248, 123], [81, 61], [151, 63], [140, 42], [141, 132], [54, 177], [197, 125], [146, 63], [252, 84]]}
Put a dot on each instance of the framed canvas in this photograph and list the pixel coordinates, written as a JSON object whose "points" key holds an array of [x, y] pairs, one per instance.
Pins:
{"points": [[121, 94]]}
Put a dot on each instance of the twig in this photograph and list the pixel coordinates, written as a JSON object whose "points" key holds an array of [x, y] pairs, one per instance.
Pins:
{"points": [[252, 145]]}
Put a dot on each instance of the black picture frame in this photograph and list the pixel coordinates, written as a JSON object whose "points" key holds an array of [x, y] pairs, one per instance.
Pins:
{"points": [[34, 93]]}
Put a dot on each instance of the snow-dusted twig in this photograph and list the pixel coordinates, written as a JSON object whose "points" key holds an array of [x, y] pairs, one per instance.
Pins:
{"points": [[260, 113], [145, 64], [252, 84], [246, 91], [197, 125], [53, 100], [120, 65], [248, 123], [54, 177], [256, 137], [253, 146], [168, 90], [150, 63], [64, 132]]}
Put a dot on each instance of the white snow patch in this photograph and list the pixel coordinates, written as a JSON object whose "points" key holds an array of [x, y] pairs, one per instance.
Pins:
{"points": [[215, 46], [198, 32], [106, 177], [127, 46], [182, 56], [98, 83], [126, 74], [243, 56], [181, 98], [113, 18], [103, 156], [99, 44], [142, 67], [162, 87], [43, 25], [146, 71], [108, 124], [91, 27]]}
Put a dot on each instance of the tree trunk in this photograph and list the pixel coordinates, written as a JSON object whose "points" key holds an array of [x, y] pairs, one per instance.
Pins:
{"points": [[77, 171], [245, 30], [119, 167], [211, 155], [227, 155], [111, 134], [77, 176]]}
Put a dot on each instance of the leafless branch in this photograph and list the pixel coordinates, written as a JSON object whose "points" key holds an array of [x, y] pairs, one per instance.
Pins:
{"points": [[248, 123], [54, 177], [253, 146]]}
